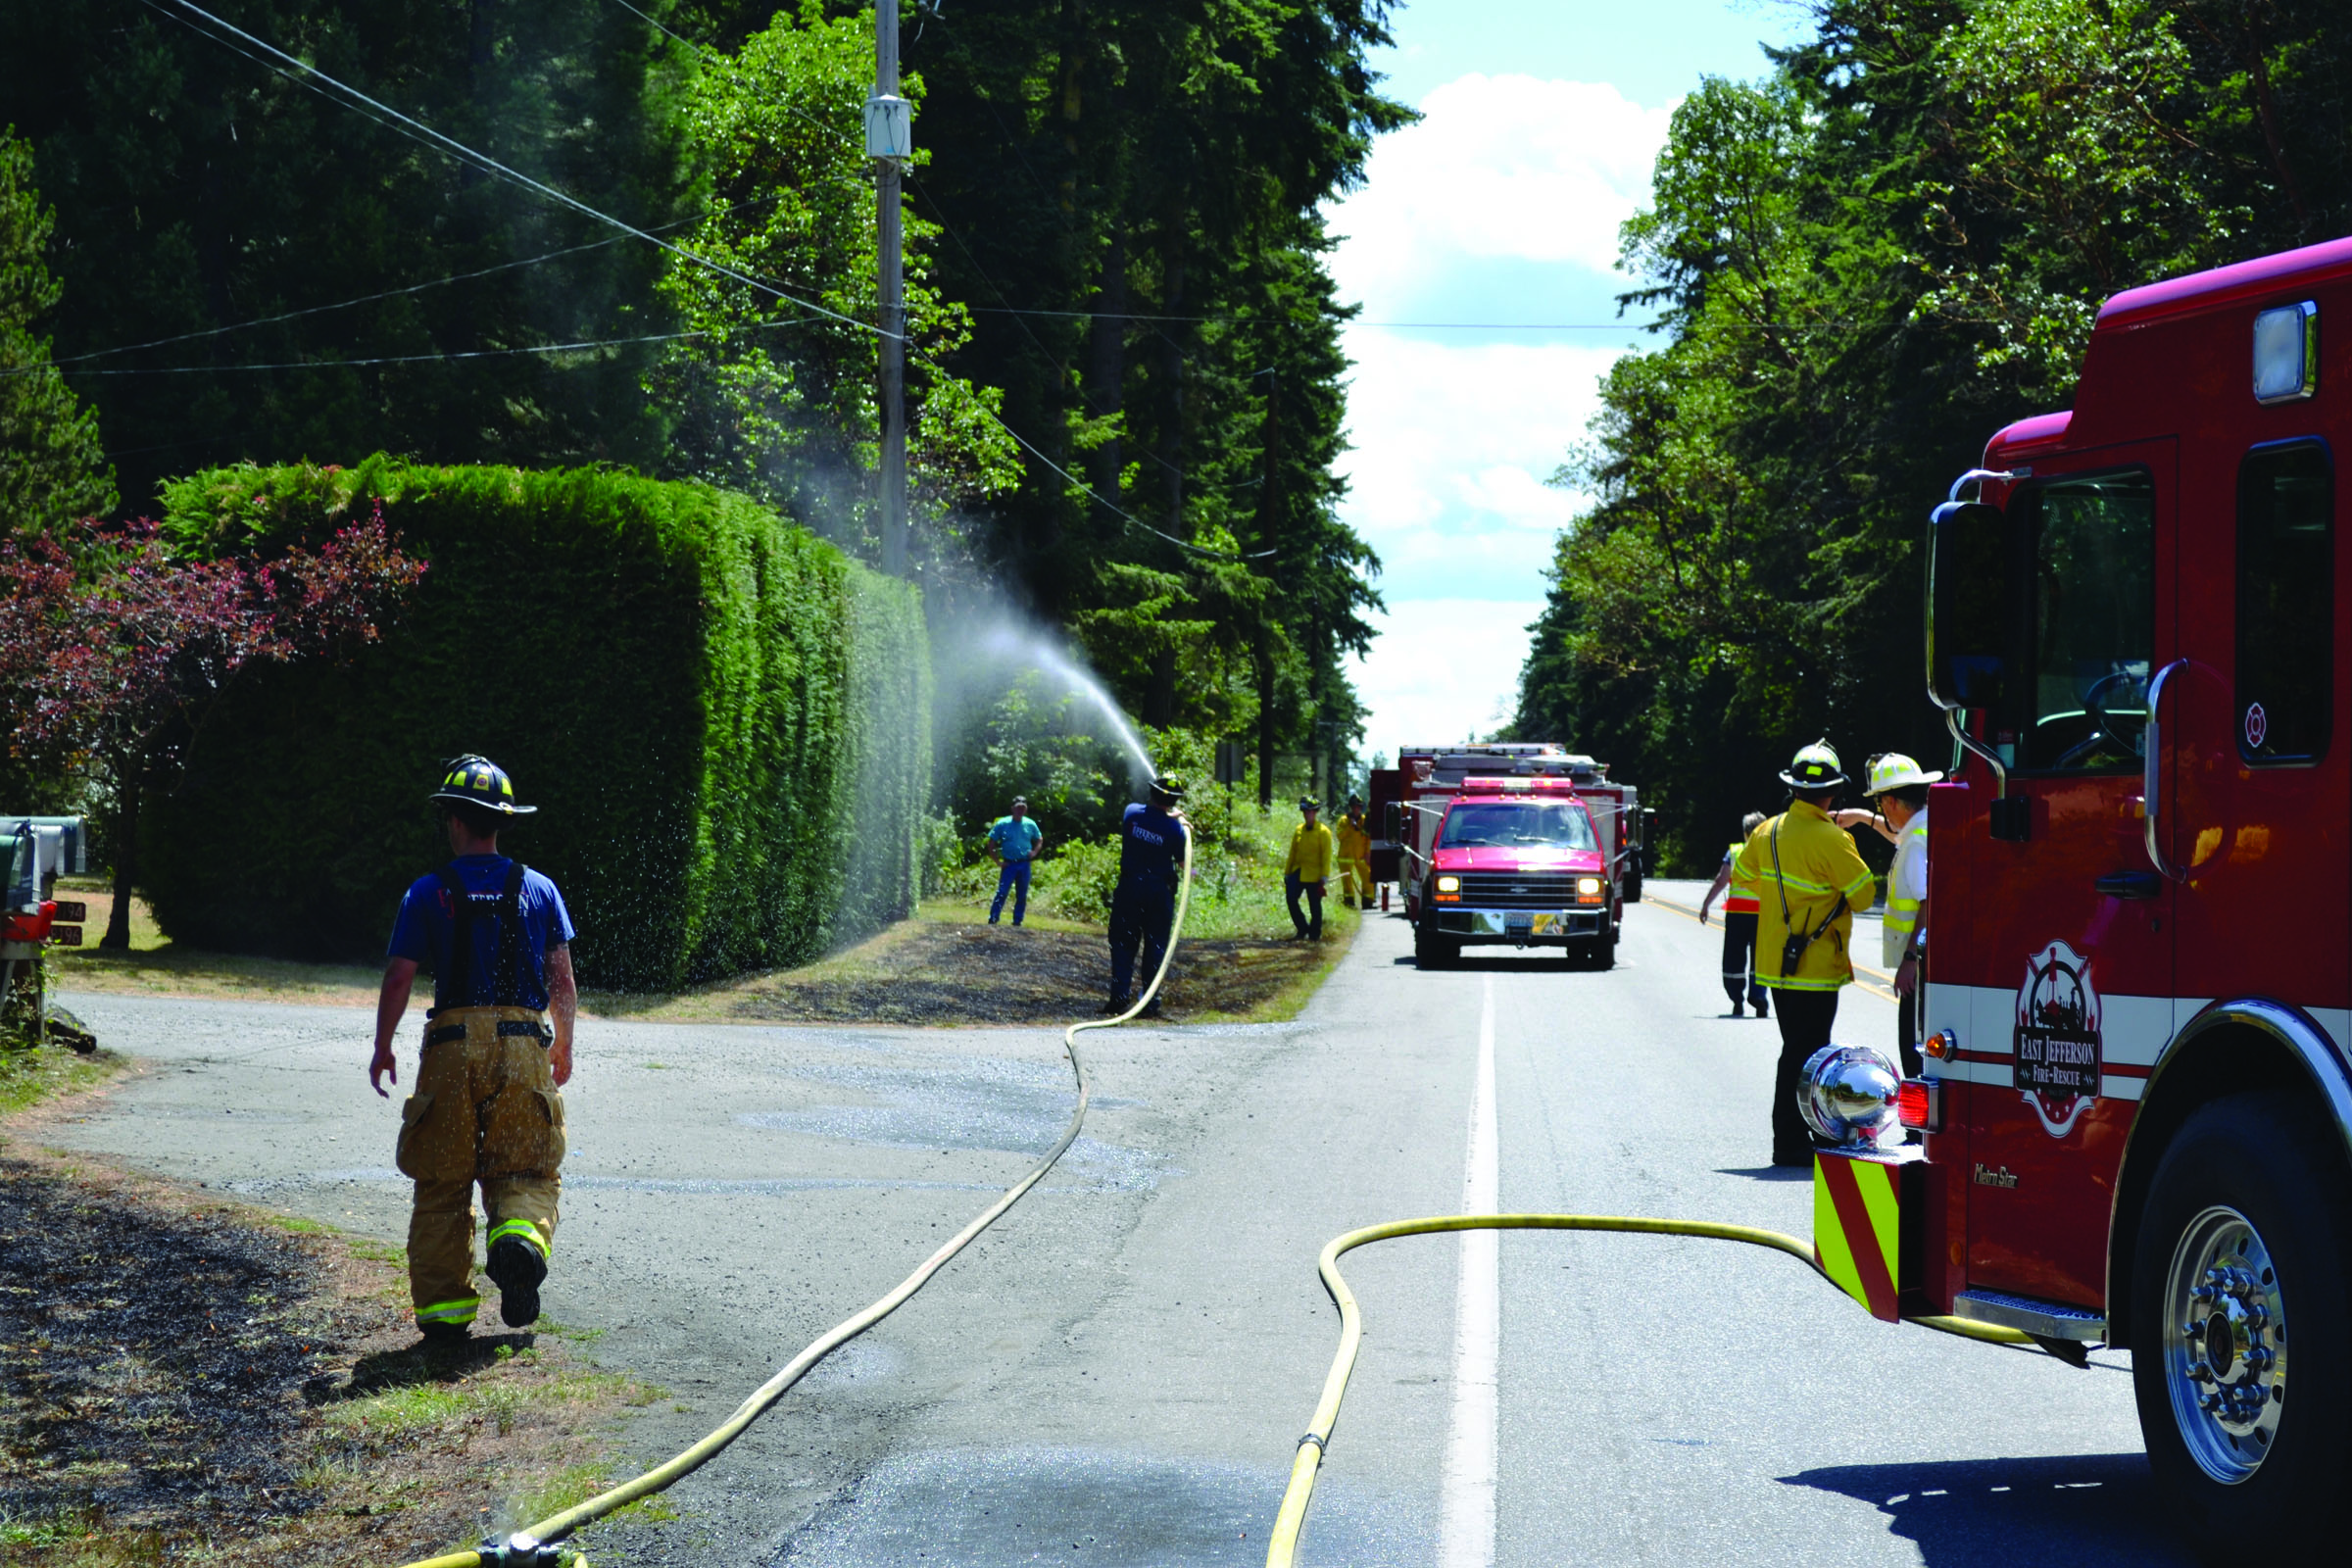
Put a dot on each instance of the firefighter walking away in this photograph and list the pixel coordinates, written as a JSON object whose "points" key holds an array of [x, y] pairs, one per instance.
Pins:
{"points": [[1740, 980], [497, 1045]]}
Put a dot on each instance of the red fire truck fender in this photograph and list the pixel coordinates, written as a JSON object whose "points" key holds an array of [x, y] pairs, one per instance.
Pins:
{"points": [[2205, 1057]]}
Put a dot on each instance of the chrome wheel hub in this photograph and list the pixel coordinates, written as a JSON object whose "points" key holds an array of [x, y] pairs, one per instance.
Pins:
{"points": [[2225, 1344]]}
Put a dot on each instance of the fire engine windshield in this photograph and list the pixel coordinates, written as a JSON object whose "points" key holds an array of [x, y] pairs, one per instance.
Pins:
{"points": [[1517, 824]]}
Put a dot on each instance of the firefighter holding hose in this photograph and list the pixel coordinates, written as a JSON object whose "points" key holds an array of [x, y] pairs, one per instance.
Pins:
{"points": [[1144, 905], [1809, 880], [497, 1045]]}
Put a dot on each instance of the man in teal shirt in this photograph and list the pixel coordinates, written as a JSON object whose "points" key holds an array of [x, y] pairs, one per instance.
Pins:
{"points": [[1013, 841]]}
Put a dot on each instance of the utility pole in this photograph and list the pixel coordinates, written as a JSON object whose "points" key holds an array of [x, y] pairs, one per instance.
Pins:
{"points": [[890, 142]]}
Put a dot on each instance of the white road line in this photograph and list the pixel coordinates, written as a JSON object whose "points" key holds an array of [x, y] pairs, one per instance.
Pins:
{"points": [[1466, 1527]]}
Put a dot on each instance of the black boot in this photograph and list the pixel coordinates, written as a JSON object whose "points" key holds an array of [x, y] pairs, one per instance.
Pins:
{"points": [[517, 1268]]}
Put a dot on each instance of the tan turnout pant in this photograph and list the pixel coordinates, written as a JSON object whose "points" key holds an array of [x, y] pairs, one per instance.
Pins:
{"points": [[485, 1111]]}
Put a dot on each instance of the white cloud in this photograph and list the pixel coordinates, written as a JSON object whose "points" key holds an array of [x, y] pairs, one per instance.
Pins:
{"points": [[1442, 670], [1453, 444], [1499, 167], [1501, 205]]}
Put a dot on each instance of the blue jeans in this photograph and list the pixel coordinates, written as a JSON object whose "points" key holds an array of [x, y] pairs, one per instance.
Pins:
{"points": [[1013, 879]]}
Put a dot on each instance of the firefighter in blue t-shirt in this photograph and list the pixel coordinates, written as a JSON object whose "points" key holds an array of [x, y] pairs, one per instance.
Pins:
{"points": [[485, 1109], [1144, 906]]}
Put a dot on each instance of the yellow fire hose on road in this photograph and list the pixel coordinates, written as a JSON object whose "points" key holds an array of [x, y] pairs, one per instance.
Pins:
{"points": [[1282, 1545], [534, 1547]]}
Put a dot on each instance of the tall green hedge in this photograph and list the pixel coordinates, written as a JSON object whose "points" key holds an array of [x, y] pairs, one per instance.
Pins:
{"points": [[723, 720]]}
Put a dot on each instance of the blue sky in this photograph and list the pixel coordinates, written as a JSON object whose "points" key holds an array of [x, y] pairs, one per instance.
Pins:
{"points": [[1542, 119]]}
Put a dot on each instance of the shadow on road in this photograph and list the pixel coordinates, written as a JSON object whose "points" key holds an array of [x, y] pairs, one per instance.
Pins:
{"points": [[2095, 1508], [1767, 1173]]}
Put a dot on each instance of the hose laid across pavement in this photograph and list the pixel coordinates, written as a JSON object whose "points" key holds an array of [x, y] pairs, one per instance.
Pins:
{"points": [[529, 1545], [1282, 1547]]}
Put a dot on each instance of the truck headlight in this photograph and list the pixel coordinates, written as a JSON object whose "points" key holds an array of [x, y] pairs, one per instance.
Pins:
{"points": [[1449, 884], [1588, 887]]}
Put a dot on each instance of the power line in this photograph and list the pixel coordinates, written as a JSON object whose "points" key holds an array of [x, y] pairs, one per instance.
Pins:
{"points": [[411, 359], [342, 304], [390, 293], [655, 22], [483, 160], [361, 102]]}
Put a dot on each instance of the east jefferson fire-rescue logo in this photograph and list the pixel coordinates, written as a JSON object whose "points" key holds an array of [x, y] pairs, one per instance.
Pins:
{"points": [[2058, 1038]]}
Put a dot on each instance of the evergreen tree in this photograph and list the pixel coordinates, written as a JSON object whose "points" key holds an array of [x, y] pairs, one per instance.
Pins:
{"points": [[52, 467], [1867, 263]]}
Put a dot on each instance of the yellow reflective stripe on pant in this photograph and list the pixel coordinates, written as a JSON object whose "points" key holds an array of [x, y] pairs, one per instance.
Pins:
{"points": [[460, 1311], [526, 1228], [1805, 983]]}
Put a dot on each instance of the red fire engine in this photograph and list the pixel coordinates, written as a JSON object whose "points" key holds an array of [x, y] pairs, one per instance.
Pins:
{"points": [[1523, 893], [2137, 1096]]}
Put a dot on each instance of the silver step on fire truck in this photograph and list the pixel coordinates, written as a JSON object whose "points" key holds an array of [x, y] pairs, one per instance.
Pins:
{"points": [[1507, 889], [2138, 1095]]}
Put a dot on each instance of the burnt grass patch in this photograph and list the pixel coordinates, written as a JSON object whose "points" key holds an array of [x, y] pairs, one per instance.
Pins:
{"points": [[182, 1378], [946, 974], [149, 1371]]}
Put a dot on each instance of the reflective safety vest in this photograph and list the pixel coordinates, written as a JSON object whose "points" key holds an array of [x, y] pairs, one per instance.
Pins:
{"points": [[1740, 897], [1818, 865], [1906, 890]]}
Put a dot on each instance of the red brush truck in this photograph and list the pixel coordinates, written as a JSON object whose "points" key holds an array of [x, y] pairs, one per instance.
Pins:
{"points": [[2138, 1099], [1558, 878]]}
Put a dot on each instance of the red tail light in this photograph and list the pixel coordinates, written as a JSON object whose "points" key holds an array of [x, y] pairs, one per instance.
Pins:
{"points": [[1918, 1104]]}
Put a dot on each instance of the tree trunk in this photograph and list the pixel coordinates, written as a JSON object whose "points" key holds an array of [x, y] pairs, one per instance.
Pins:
{"points": [[126, 870], [1107, 374], [1263, 654], [1172, 342], [1159, 697]]}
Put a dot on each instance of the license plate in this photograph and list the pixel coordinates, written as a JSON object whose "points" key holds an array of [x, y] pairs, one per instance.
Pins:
{"points": [[1518, 922]]}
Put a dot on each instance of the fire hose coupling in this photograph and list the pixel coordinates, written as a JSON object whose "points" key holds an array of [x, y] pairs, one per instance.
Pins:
{"points": [[522, 1549]]}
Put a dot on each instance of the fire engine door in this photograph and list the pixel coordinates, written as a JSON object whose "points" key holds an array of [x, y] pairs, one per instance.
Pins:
{"points": [[2077, 924], [2253, 721]]}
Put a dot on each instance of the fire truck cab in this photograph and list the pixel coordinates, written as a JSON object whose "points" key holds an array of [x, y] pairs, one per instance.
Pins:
{"points": [[2138, 1015]]}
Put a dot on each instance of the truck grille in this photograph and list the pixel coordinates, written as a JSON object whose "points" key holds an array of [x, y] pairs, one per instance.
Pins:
{"points": [[1503, 890]]}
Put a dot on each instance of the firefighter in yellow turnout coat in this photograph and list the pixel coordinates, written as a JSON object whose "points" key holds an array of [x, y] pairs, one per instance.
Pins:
{"points": [[497, 1045], [1355, 856], [1809, 880]]}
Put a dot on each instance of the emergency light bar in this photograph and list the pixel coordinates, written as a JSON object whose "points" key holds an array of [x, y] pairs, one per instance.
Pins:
{"points": [[1520, 783]]}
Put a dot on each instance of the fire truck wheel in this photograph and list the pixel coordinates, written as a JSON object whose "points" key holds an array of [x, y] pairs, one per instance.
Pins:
{"points": [[2243, 1242], [1601, 954], [1434, 952]]}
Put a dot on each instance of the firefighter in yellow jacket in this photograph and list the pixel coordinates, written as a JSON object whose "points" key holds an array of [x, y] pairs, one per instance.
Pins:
{"points": [[1809, 880], [1355, 854], [1313, 856], [497, 1045]]}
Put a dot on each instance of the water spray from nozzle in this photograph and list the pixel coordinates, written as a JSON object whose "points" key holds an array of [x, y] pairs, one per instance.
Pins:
{"points": [[1051, 659]]}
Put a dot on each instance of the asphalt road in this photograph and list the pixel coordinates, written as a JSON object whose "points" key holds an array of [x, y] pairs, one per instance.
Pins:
{"points": [[1118, 1372]]}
